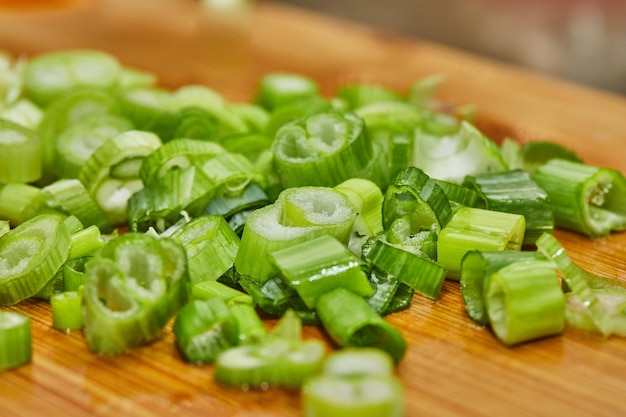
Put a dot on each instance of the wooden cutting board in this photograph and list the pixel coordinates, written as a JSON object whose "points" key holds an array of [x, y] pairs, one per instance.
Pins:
{"points": [[453, 367]]}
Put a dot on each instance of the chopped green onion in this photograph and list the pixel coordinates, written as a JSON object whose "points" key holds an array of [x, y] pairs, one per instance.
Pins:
{"points": [[69, 196], [576, 280], [20, 202], [360, 95], [86, 242], [203, 329], [49, 75], [413, 193], [133, 286], [515, 192], [299, 214], [585, 199], [67, 310], [477, 266], [80, 140], [250, 328], [293, 110], [176, 154], [473, 228], [4, 227], [351, 322], [278, 89], [211, 246], [20, 153], [15, 340], [423, 91], [204, 290], [418, 272], [452, 157], [613, 301], [111, 174], [319, 265], [323, 149], [524, 302], [30, 256], [74, 273], [531, 155]]}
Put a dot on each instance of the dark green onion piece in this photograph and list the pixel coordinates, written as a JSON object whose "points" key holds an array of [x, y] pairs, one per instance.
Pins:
{"points": [[15, 340], [319, 265], [350, 321], [418, 272], [515, 192], [586, 199], [203, 329], [415, 194]]}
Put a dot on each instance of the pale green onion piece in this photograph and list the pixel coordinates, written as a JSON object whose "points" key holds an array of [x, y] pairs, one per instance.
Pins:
{"points": [[49, 75], [524, 302], [4, 227], [23, 112], [613, 300], [354, 362], [476, 270], [576, 280], [203, 329], [20, 202], [86, 242], [367, 197], [250, 328], [473, 228], [134, 77], [176, 154], [274, 362], [20, 153], [299, 214], [452, 157], [323, 149], [424, 90], [30, 256], [366, 396], [67, 311], [204, 290], [319, 265], [586, 199], [70, 196], [357, 96], [111, 174], [277, 89], [80, 140], [15, 340]]}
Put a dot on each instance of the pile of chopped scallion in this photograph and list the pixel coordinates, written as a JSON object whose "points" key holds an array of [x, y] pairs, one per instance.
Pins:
{"points": [[128, 205]]}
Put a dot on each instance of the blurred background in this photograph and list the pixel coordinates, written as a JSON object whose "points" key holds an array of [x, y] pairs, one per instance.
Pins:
{"points": [[580, 40]]}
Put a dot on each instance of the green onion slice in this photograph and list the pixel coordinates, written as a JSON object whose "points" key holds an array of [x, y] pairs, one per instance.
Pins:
{"points": [[585, 199], [20, 202], [477, 266], [30, 256], [20, 153], [203, 329], [278, 89], [453, 157], [524, 302], [318, 265], [67, 310], [473, 228], [515, 192], [15, 340], [111, 174], [351, 322], [323, 149]]}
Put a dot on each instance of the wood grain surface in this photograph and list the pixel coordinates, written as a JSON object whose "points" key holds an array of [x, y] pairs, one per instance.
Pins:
{"points": [[453, 367]]}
